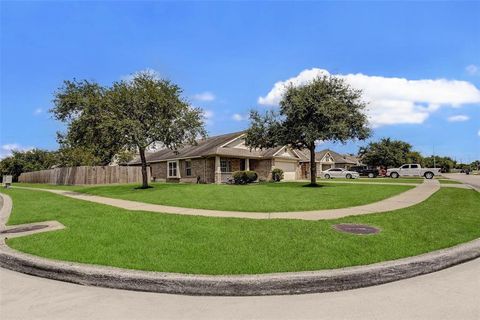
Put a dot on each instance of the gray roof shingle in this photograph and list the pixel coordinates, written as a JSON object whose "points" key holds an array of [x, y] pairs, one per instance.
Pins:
{"points": [[208, 147]]}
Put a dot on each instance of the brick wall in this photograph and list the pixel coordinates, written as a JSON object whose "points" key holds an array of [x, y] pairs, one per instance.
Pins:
{"points": [[263, 168], [159, 171]]}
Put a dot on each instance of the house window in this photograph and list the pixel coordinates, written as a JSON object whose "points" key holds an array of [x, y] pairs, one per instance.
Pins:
{"points": [[188, 168], [225, 165], [172, 169]]}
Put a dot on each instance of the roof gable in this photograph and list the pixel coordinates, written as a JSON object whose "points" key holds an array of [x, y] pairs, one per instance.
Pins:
{"points": [[286, 152]]}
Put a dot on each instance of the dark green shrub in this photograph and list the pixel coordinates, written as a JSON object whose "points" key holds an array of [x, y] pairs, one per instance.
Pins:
{"points": [[277, 174], [251, 176], [239, 177], [244, 177]]}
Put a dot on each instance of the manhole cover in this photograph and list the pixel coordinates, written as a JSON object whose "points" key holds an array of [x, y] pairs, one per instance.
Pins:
{"points": [[356, 228], [25, 229]]}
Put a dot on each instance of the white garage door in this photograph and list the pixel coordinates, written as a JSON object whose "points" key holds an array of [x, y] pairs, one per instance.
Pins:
{"points": [[288, 169]]}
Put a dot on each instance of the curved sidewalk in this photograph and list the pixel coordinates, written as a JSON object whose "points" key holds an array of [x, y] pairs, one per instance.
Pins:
{"points": [[406, 199]]}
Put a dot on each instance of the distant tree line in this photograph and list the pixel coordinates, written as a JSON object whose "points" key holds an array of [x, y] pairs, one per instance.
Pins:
{"points": [[389, 153]]}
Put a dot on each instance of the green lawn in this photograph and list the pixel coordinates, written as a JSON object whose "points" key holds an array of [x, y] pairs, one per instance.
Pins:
{"points": [[448, 181], [261, 197], [105, 235]]}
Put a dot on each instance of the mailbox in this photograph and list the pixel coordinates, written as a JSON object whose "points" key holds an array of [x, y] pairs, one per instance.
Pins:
{"points": [[7, 181]]}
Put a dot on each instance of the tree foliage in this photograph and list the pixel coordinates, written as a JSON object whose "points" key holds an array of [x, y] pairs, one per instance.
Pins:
{"points": [[445, 163], [84, 107], [326, 109], [77, 156], [26, 161], [129, 115], [386, 153], [394, 153]]}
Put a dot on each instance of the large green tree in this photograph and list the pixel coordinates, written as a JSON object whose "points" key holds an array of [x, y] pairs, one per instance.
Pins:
{"points": [[85, 108], [387, 153], [326, 109], [129, 115]]}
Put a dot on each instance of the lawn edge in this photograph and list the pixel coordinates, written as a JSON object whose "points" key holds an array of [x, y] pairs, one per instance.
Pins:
{"points": [[235, 285]]}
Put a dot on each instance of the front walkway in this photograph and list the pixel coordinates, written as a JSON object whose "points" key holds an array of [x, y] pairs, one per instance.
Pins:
{"points": [[406, 199]]}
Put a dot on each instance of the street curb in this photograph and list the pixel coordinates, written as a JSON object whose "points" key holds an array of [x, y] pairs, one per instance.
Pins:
{"points": [[237, 285]]}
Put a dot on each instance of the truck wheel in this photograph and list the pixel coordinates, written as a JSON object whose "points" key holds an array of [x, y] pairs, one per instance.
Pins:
{"points": [[327, 176], [394, 175], [371, 175], [428, 175], [348, 176]]}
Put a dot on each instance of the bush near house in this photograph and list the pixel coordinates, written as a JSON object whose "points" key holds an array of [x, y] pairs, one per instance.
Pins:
{"points": [[277, 175], [244, 177]]}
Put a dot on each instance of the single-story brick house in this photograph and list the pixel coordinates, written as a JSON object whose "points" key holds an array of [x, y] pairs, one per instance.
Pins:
{"points": [[214, 159], [327, 159]]}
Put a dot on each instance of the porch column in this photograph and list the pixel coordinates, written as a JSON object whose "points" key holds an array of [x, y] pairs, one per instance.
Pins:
{"points": [[247, 164], [218, 170]]}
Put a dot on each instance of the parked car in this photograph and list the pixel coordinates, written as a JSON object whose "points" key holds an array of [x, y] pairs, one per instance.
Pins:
{"points": [[413, 170], [339, 173], [366, 171]]}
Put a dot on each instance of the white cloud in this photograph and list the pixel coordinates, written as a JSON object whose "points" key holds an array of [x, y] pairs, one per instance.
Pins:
{"points": [[37, 111], [472, 69], [478, 133], [204, 96], [240, 117], [458, 118], [391, 100], [6, 149]]}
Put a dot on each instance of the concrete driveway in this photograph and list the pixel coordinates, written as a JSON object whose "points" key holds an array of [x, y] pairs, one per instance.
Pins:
{"points": [[452, 293], [473, 180]]}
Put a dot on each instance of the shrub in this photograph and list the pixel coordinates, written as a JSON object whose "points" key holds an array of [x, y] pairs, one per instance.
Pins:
{"points": [[244, 177], [277, 174], [251, 176]]}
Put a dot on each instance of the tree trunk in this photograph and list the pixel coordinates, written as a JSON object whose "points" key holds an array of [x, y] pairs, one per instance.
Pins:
{"points": [[144, 168], [313, 166]]}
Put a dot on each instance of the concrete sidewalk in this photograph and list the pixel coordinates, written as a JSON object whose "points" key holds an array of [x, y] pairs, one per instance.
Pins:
{"points": [[452, 293], [406, 199]]}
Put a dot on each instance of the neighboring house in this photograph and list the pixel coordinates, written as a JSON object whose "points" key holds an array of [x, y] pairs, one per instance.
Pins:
{"points": [[330, 159], [326, 159], [214, 159]]}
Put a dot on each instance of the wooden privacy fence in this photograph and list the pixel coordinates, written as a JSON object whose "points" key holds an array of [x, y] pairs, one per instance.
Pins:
{"points": [[85, 175]]}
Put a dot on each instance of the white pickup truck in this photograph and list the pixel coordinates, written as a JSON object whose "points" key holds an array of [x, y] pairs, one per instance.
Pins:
{"points": [[413, 170]]}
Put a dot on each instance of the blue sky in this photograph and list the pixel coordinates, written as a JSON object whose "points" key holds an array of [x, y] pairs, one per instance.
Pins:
{"points": [[228, 55]]}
